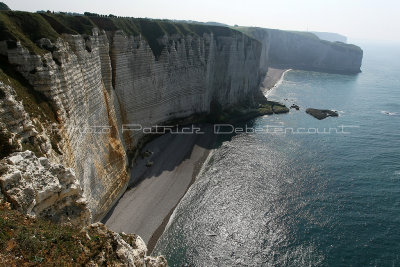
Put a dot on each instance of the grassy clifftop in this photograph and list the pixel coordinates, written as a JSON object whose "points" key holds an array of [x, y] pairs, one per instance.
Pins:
{"points": [[25, 27], [30, 27], [250, 31], [25, 241]]}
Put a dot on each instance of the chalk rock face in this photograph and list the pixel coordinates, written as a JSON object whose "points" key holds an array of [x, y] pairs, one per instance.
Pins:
{"points": [[20, 127], [299, 51], [130, 249], [264, 37], [305, 51], [75, 75], [95, 86], [36, 187], [13, 117], [97, 83], [190, 73]]}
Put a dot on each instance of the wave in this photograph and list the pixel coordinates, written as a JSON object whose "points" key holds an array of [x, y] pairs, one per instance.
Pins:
{"points": [[390, 113], [279, 82]]}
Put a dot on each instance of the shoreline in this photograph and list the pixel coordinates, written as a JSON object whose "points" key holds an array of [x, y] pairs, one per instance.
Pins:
{"points": [[154, 192], [160, 230], [188, 154], [273, 79]]}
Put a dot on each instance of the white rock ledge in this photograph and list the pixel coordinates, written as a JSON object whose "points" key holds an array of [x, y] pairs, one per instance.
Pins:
{"points": [[37, 187]]}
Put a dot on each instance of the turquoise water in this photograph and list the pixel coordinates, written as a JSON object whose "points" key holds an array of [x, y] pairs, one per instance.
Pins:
{"points": [[312, 199]]}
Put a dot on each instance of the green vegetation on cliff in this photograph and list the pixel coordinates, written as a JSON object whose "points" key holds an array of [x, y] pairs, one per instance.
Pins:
{"points": [[249, 31], [35, 103], [153, 30], [36, 242], [69, 24], [30, 27], [3, 6], [25, 27]]}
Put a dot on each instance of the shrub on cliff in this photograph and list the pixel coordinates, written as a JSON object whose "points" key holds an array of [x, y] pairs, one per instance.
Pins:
{"points": [[25, 241], [30, 27], [5, 147], [4, 6], [25, 27]]}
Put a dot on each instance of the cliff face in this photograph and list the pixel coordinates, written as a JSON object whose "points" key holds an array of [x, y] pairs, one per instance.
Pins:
{"points": [[301, 52], [305, 51], [95, 83], [190, 73], [71, 78]]}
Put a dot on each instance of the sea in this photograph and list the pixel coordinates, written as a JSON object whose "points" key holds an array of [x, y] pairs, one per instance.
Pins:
{"points": [[291, 190]]}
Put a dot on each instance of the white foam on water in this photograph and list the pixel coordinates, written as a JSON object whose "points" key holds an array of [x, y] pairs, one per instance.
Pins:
{"points": [[390, 113], [278, 83]]}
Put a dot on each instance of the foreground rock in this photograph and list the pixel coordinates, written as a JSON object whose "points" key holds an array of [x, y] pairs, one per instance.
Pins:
{"points": [[42, 190], [36, 187], [321, 114], [130, 249], [27, 241]]}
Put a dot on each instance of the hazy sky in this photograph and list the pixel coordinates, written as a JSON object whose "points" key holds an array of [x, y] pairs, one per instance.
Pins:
{"points": [[357, 19]]}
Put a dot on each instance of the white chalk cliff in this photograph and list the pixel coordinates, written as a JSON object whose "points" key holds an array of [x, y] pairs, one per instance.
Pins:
{"points": [[91, 99], [305, 51]]}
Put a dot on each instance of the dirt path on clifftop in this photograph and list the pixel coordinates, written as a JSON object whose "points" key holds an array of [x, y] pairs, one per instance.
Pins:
{"points": [[147, 206]]}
